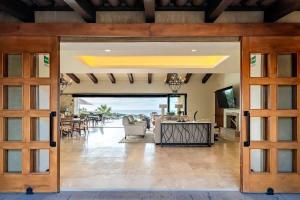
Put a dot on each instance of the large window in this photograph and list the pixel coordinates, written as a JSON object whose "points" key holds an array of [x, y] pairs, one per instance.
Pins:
{"points": [[122, 105], [119, 104], [174, 99]]}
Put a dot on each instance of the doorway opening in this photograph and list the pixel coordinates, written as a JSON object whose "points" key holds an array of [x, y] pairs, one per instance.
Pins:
{"points": [[105, 147]]}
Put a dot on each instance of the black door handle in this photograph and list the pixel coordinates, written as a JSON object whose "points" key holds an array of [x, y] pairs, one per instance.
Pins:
{"points": [[52, 142], [247, 115]]}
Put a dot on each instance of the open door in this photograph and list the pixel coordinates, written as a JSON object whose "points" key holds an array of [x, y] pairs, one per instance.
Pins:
{"points": [[270, 146], [29, 142]]}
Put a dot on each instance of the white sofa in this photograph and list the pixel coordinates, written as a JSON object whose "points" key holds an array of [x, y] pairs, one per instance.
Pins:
{"points": [[133, 128], [157, 127], [133, 121]]}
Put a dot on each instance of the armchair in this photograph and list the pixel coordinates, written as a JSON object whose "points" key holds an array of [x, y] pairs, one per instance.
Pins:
{"points": [[132, 120], [133, 129]]}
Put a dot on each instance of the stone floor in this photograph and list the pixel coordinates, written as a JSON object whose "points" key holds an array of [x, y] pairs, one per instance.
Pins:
{"points": [[149, 195], [98, 161]]}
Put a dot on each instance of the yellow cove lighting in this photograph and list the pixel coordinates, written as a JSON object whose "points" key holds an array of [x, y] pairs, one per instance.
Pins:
{"points": [[153, 61]]}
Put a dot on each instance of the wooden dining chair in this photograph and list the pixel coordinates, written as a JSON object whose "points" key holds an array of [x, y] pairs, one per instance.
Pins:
{"points": [[66, 127], [80, 125]]}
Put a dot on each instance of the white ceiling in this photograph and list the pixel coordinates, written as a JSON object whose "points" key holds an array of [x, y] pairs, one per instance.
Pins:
{"points": [[70, 51]]}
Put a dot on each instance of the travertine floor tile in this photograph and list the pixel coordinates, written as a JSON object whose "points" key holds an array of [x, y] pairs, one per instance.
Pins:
{"points": [[99, 161]]}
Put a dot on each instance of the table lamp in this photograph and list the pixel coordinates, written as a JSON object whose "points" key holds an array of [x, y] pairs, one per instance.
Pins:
{"points": [[163, 107], [179, 107]]}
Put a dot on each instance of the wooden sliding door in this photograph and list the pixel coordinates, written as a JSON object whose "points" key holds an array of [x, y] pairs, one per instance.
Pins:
{"points": [[270, 148], [29, 142]]}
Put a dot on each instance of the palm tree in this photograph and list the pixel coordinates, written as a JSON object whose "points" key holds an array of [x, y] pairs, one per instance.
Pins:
{"points": [[83, 111], [104, 109]]}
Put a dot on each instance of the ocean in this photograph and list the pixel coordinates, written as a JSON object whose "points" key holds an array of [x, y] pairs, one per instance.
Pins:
{"points": [[136, 112]]}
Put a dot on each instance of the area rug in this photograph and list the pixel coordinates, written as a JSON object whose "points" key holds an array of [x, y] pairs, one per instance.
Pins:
{"points": [[224, 140], [149, 138]]}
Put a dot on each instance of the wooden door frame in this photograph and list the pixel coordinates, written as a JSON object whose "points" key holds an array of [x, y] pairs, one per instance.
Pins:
{"points": [[146, 30], [149, 31]]}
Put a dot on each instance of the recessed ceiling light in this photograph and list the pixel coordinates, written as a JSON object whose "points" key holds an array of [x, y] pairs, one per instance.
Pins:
{"points": [[154, 61], [107, 50], [194, 50]]}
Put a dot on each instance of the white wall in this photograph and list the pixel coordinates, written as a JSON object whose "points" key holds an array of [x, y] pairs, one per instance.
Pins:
{"points": [[219, 81]]}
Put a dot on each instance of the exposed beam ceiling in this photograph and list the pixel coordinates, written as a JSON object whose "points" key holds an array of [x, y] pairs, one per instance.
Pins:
{"points": [[41, 2], [111, 78], [131, 2], [17, 9], [83, 8], [130, 77], [97, 2], [181, 2], [206, 77], [251, 2], [197, 2], [236, 2], [114, 2], [187, 77], [149, 6], [93, 78], [168, 78], [150, 78], [74, 78], [215, 9], [164, 2], [280, 9]]}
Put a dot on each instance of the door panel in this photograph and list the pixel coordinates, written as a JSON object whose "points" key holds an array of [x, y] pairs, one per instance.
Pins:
{"points": [[29, 71], [270, 147]]}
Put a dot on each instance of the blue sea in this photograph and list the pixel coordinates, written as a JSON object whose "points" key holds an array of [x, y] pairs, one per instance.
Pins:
{"points": [[136, 112]]}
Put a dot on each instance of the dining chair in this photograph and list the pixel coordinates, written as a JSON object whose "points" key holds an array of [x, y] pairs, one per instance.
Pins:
{"points": [[65, 127]]}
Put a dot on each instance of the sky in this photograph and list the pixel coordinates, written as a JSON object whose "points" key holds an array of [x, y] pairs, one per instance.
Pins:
{"points": [[117, 104]]}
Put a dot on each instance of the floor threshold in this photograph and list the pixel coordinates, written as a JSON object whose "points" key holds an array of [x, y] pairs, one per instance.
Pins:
{"points": [[149, 190], [150, 195]]}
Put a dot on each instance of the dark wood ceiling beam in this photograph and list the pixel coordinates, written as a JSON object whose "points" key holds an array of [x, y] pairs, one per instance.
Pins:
{"points": [[236, 2], [114, 3], [149, 7], [131, 2], [83, 8], [251, 2], [187, 77], [74, 77], [215, 9], [197, 2], [150, 78], [164, 2], [268, 2], [112, 78], [181, 2], [93, 78], [280, 9], [18, 9], [97, 2], [206, 77], [130, 77], [44, 3], [169, 75], [149, 30]]}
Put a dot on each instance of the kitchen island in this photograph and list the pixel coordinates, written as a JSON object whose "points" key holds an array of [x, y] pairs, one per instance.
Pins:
{"points": [[195, 133]]}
